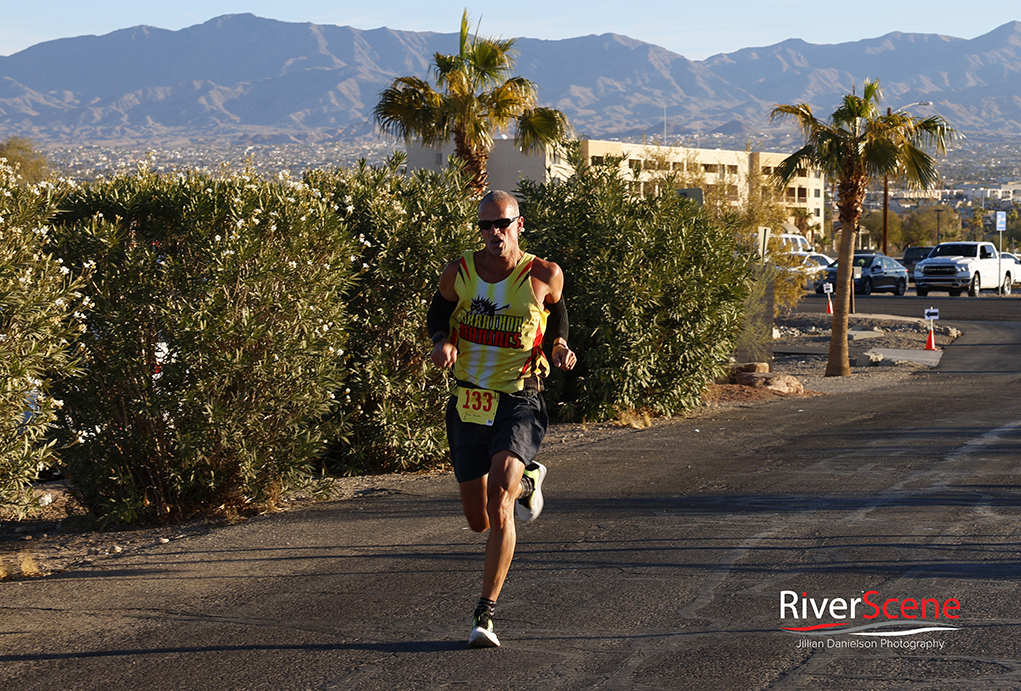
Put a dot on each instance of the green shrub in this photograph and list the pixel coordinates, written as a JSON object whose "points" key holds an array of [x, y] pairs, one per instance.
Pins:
{"points": [[215, 344], [409, 227], [37, 298], [655, 292]]}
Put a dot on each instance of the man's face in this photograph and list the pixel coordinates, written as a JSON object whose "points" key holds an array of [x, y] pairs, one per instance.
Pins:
{"points": [[500, 241]]}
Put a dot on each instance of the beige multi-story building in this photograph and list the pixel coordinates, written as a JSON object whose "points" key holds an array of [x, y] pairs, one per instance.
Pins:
{"points": [[644, 165]]}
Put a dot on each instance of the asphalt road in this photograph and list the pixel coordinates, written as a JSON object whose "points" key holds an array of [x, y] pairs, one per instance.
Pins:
{"points": [[660, 562]]}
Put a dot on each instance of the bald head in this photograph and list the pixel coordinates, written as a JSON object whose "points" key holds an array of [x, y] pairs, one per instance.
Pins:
{"points": [[505, 200]]}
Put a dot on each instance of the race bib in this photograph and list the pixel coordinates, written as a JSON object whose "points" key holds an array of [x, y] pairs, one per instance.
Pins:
{"points": [[477, 406]]}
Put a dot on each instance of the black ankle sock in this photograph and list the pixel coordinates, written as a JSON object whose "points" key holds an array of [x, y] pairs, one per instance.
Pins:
{"points": [[487, 606], [527, 487]]}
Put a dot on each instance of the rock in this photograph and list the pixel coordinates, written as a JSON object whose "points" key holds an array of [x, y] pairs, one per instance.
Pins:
{"points": [[163, 541], [868, 359], [781, 383], [776, 333]]}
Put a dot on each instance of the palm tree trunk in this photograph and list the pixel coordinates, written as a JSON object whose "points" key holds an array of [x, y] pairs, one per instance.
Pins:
{"points": [[475, 161], [838, 364], [852, 195]]}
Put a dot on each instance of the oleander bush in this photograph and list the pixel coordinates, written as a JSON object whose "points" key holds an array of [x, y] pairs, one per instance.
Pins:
{"points": [[655, 292], [408, 228], [215, 339], [214, 345], [38, 298]]}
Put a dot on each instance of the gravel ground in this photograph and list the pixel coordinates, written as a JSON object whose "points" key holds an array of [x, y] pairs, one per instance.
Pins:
{"points": [[43, 544], [814, 330]]}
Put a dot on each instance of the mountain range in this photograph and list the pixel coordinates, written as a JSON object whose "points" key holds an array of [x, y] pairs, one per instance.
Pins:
{"points": [[242, 79]]}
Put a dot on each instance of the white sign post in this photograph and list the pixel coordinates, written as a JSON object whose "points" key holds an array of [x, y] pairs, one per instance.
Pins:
{"points": [[931, 315], [1001, 225]]}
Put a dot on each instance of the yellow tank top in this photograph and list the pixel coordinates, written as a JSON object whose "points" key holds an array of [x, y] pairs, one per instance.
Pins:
{"points": [[498, 328]]}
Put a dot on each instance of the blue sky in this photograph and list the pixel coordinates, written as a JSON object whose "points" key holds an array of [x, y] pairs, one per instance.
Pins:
{"points": [[695, 30]]}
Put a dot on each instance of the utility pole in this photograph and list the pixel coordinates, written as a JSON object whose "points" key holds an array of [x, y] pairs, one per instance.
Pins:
{"points": [[886, 196]]}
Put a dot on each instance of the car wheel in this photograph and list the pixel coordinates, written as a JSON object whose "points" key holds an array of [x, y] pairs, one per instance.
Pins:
{"points": [[866, 287], [902, 286], [976, 286], [1007, 283]]}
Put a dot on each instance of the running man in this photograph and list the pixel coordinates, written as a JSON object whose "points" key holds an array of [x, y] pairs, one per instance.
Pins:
{"points": [[488, 321]]}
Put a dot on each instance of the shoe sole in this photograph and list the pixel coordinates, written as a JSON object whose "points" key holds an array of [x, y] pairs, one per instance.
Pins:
{"points": [[521, 511], [483, 638]]}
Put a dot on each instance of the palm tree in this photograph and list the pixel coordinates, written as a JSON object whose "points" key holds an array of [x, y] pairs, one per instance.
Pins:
{"points": [[474, 100], [857, 145]]}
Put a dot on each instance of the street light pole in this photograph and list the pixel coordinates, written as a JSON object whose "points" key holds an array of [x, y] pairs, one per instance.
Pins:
{"points": [[886, 198]]}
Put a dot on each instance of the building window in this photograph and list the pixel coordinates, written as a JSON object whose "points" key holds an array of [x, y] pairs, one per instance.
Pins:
{"points": [[598, 161], [818, 193], [710, 168], [818, 213], [767, 170], [802, 195], [678, 166], [732, 170], [635, 164]]}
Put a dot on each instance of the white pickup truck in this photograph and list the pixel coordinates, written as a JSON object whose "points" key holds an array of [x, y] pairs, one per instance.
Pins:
{"points": [[959, 266]]}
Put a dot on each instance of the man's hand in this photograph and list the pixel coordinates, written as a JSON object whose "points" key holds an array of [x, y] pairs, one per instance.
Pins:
{"points": [[444, 353], [562, 356]]}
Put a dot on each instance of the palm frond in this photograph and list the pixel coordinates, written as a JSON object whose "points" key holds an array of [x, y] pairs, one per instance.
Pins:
{"points": [[538, 128], [410, 108]]}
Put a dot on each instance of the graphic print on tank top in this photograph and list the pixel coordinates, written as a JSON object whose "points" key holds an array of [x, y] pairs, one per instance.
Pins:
{"points": [[498, 328]]}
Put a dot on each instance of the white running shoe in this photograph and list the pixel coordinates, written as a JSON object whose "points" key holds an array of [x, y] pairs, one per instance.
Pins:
{"points": [[482, 634], [528, 508]]}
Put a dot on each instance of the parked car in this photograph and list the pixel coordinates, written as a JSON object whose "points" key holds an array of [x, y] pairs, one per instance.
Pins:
{"points": [[964, 266], [1016, 273], [813, 265], [878, 272], [913, 255], [795, 243]]}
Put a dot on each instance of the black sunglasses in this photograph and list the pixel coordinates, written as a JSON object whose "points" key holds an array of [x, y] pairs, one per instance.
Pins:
{"points": [[500, 223]]}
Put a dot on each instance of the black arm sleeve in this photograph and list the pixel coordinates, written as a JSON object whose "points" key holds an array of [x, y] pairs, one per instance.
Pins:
{"points": [[556, 323], [438, 318]]}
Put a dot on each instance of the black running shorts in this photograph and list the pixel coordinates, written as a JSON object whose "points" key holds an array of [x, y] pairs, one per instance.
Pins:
{"points": [[519, 427]]}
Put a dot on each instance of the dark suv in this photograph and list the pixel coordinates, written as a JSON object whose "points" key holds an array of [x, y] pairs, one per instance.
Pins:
{"points": [[913, 255]]}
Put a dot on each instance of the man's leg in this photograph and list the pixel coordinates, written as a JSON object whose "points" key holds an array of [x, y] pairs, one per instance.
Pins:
{"points": [[503, 488], [488, 504]]}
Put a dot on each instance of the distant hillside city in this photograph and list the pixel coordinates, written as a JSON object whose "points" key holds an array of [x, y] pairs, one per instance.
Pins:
{"points": [[240, 91]]}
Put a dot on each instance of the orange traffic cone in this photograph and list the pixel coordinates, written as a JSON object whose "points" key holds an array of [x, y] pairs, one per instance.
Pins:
{"points": [[829, 304], [930, 342]]}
